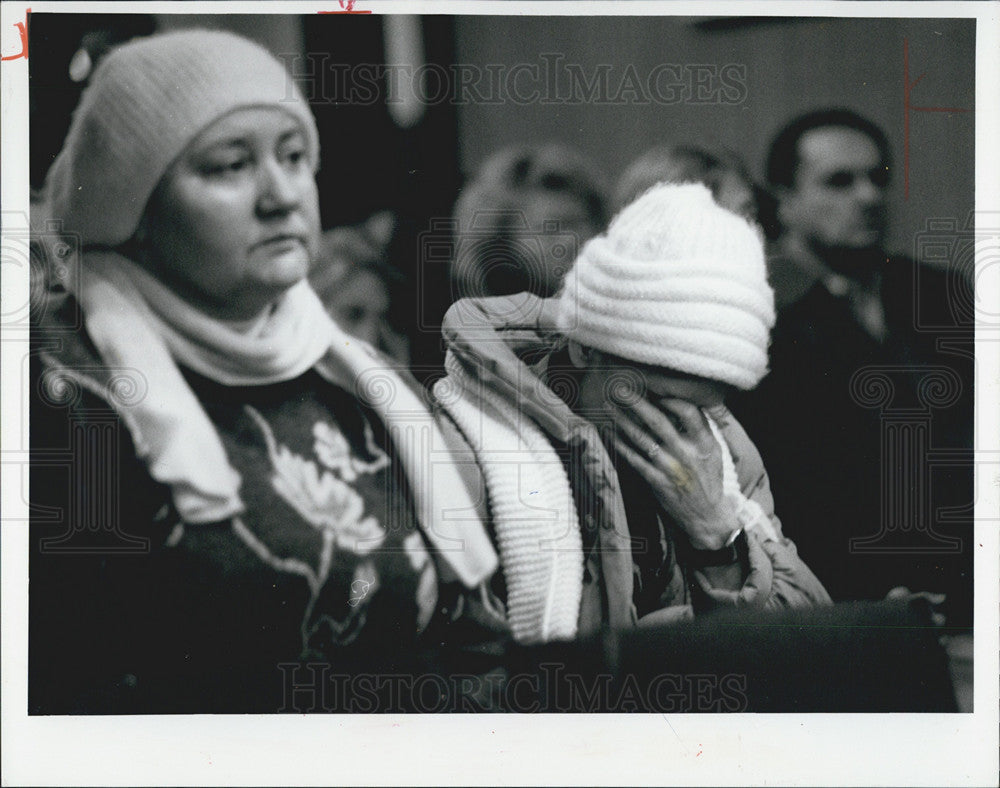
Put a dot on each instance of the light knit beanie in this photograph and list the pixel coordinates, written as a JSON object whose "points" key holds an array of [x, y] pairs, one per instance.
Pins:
{"points": [[676, 282], [146, 101]]}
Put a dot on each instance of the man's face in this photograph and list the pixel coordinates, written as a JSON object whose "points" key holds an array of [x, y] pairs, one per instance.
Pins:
{"points": [[837, 201]]}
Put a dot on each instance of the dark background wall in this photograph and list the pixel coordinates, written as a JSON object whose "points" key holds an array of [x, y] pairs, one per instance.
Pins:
{"points": [[783, 66], [791, 65]]}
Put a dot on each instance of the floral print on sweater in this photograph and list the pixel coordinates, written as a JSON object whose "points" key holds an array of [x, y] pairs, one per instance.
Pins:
{"points": [[325, 504]]}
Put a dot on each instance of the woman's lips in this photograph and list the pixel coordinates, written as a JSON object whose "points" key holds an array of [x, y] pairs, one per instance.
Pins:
{"points": [[280, 242]]}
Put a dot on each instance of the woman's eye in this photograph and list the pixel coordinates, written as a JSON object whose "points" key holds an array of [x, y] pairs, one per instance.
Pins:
{"points": [[217, 169], [294, 156]]}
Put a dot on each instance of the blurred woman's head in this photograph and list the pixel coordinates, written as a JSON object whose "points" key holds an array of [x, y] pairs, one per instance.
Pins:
{"points": [[195, 153], [675, 299], [357, 284], [724, 175], [522, 219]]}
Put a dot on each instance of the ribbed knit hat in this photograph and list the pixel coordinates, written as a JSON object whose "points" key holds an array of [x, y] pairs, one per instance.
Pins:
{"points": [[676, 282], [146, 101]]}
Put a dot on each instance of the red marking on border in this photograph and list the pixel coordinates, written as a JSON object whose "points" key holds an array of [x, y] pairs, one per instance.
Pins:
{"points": [[346, 7], [22, 28], [908, 108]]}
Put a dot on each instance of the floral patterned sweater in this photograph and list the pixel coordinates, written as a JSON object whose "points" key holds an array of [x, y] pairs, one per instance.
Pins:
{"points": [[133, 610]]}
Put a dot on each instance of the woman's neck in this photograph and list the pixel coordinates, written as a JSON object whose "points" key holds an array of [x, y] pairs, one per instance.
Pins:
{"points": [[249, 326]]}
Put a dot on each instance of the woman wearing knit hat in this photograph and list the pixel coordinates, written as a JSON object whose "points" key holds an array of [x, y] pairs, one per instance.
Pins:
{"points": [[621, 488], [248, 486]]}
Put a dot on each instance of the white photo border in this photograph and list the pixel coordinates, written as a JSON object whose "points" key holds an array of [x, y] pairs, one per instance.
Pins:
{"points": [[739, 749]]}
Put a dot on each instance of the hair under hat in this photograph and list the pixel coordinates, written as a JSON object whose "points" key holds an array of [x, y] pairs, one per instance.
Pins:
{"points": [[676, 282], [145, 103]]}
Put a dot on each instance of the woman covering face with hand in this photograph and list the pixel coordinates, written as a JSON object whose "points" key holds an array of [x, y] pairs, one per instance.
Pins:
{"points": [[652, 502], [248, 485]]}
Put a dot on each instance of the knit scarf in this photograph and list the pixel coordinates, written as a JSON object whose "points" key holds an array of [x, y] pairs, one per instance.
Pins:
{"points": [[287, 342], [142, 331], [534, 516]]}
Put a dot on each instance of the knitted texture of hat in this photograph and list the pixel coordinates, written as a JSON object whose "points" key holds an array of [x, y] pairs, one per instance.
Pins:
{"points": [[147, 100], [676, 282]]}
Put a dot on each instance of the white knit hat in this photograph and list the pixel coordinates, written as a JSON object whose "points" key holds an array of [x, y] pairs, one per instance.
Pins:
{"points": [[676, 282], [146, 101]]}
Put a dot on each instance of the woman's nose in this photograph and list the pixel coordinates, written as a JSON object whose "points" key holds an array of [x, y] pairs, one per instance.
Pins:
{"points": [[279, 189]]}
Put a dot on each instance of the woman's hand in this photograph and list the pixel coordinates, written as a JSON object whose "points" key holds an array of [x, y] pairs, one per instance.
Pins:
{"points": [[682, 464]]}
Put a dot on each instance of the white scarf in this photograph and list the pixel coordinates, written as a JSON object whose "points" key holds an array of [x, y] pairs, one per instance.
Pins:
{"points": [[141, 328], [535, 518], [290, 340]]}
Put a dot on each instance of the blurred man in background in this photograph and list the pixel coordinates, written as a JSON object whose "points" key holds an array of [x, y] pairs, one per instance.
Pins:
{"points": [[858, 359]]}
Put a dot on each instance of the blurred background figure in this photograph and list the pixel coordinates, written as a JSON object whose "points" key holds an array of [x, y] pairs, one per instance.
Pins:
{"points": [[828, 172], [724, 174], [358, 286], [868, 347], [522, 219]]}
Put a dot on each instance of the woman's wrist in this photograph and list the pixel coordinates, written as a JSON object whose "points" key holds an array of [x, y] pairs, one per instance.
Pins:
{"points": [[709, 544], [728, 552], [724, 529]]}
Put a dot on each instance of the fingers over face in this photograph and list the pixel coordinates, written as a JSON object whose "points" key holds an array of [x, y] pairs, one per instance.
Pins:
{"points": [[634, 458], [692, 421], [636, 435], [655, 423], [650, 458], [689, 416]]}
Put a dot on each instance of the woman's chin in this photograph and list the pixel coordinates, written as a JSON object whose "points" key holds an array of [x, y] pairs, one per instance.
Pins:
{"points": [[263, 290], [283, 271], [277, 287]]}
